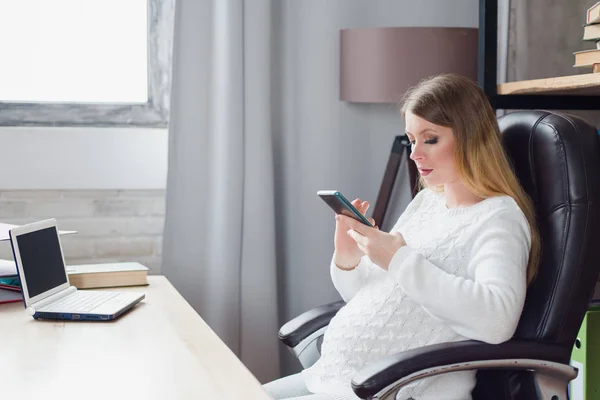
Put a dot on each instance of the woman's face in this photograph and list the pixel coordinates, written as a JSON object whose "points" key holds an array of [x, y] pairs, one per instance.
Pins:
{"points": [[432, 150]]}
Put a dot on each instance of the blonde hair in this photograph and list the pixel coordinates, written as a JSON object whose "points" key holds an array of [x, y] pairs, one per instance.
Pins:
{"points": [[458, 103]]}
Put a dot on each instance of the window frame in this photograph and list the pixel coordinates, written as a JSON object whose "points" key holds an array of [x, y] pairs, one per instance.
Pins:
{"points": [[154, 113]]}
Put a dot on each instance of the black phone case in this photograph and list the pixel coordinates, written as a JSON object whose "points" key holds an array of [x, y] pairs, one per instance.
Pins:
{"points": [[340, 207]]}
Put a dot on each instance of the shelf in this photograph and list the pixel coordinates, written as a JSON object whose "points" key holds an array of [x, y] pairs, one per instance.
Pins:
{"points": [[585, 84]]}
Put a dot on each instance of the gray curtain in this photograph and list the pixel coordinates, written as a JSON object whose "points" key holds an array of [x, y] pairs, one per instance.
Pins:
{"points": [[219, 241], [256, 129]]}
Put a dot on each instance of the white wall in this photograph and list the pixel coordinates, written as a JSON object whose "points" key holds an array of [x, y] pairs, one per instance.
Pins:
{"points": [[83, 158], [106, 183]]}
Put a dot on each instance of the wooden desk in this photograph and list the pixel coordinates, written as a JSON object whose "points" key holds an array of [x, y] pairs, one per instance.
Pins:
{"points": [[161, 349]]}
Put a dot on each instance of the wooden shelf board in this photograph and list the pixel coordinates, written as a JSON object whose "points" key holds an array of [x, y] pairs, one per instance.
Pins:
{"points": [[585, 84]]}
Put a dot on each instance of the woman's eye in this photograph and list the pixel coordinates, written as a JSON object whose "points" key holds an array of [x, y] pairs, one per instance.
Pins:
{"points": [[428, 141]]}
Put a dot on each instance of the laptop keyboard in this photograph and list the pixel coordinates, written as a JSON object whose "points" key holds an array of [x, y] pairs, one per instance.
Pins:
{"points": [[80, 302]]}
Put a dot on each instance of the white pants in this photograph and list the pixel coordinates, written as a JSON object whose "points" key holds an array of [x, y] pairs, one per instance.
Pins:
{"points": [[292, 388]]}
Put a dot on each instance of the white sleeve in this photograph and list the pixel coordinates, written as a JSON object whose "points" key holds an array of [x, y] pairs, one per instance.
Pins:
{"points": [[487, 307], [348, 283]]}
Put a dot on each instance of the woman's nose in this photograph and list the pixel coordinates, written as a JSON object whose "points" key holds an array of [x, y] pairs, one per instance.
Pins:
{"points": [[415, 153]]}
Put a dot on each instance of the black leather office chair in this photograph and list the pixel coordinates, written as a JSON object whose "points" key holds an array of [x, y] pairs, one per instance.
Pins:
{"points": [[557, 159]]}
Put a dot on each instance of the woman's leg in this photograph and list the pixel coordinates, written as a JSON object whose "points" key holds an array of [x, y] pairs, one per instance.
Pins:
{"points": [[311, 397], [292, 387], [286, 387]]}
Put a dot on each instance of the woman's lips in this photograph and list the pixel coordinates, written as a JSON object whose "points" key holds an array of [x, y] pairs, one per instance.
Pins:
{"points": [[425, 172]]}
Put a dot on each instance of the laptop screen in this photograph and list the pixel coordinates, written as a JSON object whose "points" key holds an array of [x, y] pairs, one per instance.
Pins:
{"points": [[42, 260]]}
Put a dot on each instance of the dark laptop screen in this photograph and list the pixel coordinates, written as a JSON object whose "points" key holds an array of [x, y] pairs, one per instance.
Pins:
{"points": [[42, 260]]}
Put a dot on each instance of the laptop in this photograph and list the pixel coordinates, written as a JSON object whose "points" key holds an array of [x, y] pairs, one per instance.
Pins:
{"points": [[45, 283]]}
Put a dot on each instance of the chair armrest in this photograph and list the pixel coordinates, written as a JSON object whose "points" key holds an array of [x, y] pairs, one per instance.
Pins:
{"points": [[444, 357], [296, 330]]}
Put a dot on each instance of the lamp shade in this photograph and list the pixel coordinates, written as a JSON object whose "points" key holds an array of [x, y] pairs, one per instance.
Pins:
{"points": [[377, 65]]}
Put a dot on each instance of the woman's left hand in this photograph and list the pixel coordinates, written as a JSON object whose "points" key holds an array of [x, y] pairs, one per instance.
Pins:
{"points": [[379, 246]]}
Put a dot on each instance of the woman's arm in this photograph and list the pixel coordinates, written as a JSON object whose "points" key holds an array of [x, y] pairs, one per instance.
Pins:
{"points": [[487, 307], [349, 282]]}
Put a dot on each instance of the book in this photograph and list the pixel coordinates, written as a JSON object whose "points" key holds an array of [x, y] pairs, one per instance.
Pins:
{"points": [[593, 14], [10, 296], [90, 276], [12, 283], [5, 228], [591, 32], [587, 58], [7, 268]]}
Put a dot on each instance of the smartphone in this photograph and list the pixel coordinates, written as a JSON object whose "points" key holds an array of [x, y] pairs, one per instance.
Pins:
{"points": [[341, 205]]}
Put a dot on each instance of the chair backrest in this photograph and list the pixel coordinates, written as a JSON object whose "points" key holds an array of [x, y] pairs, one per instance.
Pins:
{"points": [[557, 160], [397, 187]]}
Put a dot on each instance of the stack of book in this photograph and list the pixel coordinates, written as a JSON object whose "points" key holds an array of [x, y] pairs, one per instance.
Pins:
{"points": [[591, 32], [10, 286]]}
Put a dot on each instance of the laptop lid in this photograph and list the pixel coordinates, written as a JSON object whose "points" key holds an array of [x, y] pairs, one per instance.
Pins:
{"points": [[39, 259]]}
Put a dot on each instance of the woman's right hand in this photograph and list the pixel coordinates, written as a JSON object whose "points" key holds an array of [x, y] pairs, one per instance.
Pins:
{"points": [[347, 254]]}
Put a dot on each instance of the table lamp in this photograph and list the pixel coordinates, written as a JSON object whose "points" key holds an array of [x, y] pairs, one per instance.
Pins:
{"points": [[377, 65]]}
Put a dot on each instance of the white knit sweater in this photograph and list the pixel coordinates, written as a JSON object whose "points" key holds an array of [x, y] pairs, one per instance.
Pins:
{"points": [[461, 276]]}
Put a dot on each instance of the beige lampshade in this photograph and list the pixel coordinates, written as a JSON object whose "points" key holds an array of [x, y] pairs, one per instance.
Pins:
{"points": [[377, 65]]}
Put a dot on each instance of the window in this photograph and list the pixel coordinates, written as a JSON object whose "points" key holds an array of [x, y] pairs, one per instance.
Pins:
{"points": [[85, 62]]}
